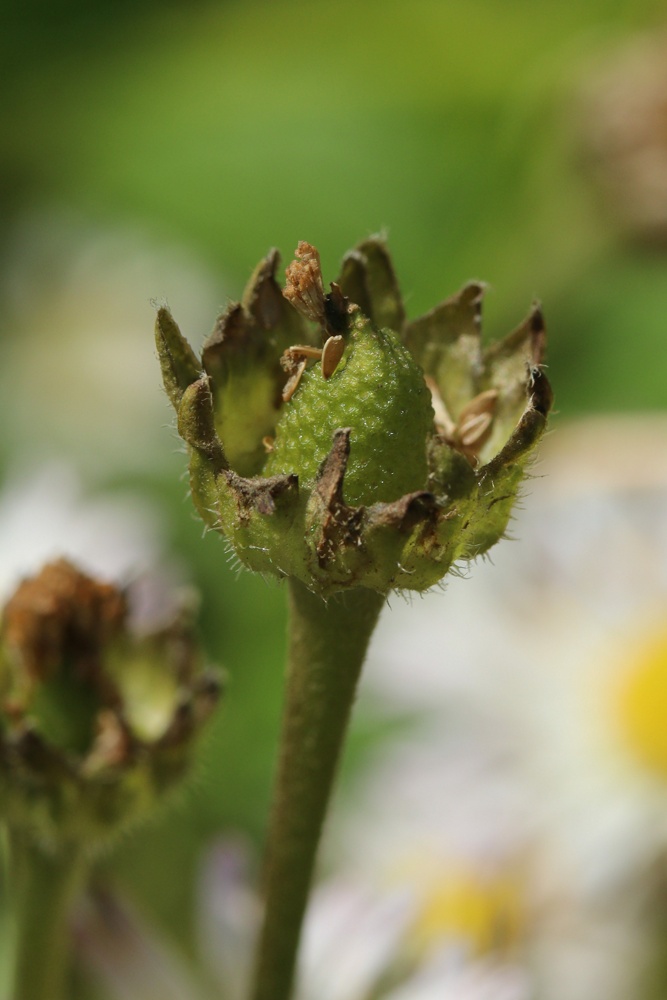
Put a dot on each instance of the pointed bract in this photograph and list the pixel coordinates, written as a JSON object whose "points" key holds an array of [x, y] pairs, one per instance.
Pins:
{"points": [[447, 344], [177, 359], [368, 279], [242, 358]]}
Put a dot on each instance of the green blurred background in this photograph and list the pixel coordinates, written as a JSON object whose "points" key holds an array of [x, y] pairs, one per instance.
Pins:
{"points": [[159, 149]]}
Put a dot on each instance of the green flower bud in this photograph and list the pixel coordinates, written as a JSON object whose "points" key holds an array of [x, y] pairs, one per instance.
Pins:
{"points": [[96, 722], [395, 421], [332, 440]]}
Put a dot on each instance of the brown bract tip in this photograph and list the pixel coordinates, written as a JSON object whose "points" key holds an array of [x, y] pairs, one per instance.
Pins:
{"points": [[538, 334], [541, 393], [259, 494], [340, 524], [304, 289]]}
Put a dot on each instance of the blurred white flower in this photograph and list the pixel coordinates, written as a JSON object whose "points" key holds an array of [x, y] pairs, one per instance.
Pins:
{"points": [[78, 374], [45, 515], [556, 656], [128, 960], [557, 644], [357, 946]]}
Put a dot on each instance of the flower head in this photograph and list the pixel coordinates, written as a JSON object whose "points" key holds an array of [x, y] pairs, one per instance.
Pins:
{"points": [[96, 721], [358, 945], [335, 441]]}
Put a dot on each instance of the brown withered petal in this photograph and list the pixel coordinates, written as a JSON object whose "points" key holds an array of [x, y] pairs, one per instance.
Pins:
{"points": [[340, 524], [304, 288], [61, 614]]}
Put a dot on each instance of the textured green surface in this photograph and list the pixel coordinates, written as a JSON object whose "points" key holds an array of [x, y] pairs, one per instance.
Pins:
{"points": [[378, 391]]}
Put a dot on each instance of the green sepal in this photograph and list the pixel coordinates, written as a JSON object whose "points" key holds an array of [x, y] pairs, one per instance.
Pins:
{"points": [[368, 279], [204, 490], [242, 358], [178, 361], [446, 342], [258, 517], [500, 480], [450, 473], [506, 366], [196, 423], [207, 459]]}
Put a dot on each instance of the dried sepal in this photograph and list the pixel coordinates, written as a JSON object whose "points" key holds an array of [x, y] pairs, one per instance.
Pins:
{"points": [[304, 289], [334, 526], [256, 495], [294, 369], [263, 301], [332, 352]]}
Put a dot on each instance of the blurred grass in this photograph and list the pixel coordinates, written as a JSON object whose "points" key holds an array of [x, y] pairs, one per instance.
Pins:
{"points": [[233, 127]]}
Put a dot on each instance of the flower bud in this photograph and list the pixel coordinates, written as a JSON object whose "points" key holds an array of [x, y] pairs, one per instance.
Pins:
{"points": [[335, 441]]}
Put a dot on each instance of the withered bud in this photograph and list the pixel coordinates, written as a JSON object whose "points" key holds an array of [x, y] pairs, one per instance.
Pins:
{"points": [[304, 289], [91, 713], [61, 615]]}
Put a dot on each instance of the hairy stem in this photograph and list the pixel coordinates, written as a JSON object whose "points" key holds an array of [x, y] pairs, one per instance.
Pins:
{"points": [[42, 889], [327, 646]]}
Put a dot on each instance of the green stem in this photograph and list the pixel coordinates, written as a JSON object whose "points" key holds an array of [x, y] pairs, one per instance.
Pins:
{"points": [[43, 887], [327, 647]]}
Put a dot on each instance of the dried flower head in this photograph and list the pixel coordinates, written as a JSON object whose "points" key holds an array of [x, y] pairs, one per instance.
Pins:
{"points": [[95, 721]]}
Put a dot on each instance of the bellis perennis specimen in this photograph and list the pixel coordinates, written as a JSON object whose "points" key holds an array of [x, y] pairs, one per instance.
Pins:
{"points": [[334, 441]]}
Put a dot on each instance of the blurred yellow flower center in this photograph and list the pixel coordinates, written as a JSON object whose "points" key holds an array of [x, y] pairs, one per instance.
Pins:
{"points": [[642, 704], [485, 913]]}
